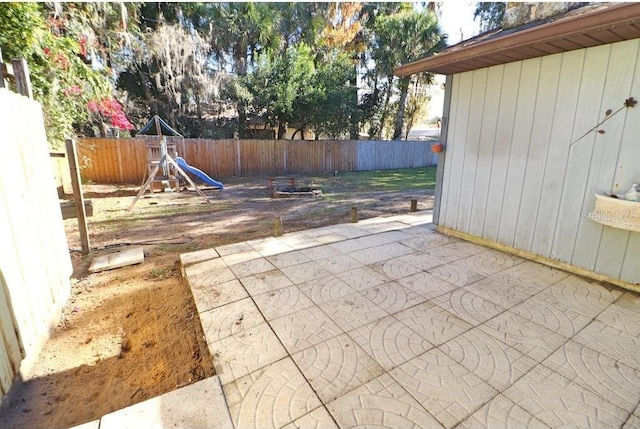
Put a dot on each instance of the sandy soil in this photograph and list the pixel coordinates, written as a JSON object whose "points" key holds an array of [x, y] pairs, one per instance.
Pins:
{"points": [[133, 333]]}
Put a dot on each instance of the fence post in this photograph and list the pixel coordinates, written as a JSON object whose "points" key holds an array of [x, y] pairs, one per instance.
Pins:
{"points": [[2, 72], [23, 81], [72, 154]]}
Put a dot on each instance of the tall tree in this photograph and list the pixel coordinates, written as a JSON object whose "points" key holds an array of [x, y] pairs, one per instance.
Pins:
{"points": [[417, 105], [376, 75], [181, 57], [276, 83], [343, 32], [327, 102], [404, 37]]}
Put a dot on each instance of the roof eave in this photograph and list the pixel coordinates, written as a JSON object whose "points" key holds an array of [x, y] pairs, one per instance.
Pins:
{"points": [[444, 62]]}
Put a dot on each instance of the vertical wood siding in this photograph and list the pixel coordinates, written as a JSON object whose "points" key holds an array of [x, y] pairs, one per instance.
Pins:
{"points": [[34, 259], [125, 160], [511, 173]]}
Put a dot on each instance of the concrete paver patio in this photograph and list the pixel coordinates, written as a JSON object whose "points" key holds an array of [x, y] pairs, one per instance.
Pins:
{"points": [[387, 323]]}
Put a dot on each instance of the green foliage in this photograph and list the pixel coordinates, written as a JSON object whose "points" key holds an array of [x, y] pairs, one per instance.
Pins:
{"points": [[292, 90], [490, 14], [211, 69], [332, 105], [62, 81], [20, 26], [277, 81]]}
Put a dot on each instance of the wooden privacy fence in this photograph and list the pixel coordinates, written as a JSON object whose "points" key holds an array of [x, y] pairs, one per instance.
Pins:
{"points": [[35, 266], [125, 160]]}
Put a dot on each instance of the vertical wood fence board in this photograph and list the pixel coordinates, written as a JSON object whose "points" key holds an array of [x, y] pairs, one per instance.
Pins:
{"points": [[116, 161], [103, 164], [112, 162], [125, 155]]}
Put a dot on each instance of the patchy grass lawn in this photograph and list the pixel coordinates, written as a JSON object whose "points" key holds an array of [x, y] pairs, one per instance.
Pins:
{"points": [[247, 201], [381, 180]]}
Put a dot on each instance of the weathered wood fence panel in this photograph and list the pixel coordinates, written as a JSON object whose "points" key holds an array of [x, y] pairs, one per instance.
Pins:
{"points": [[124, 160], [34, 259], [375, 155]]}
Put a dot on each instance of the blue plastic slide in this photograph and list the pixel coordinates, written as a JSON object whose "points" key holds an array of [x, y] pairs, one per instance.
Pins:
{"points": [[198, 173]]}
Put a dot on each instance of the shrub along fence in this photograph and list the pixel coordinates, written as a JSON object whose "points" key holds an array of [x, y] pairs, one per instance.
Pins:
{"points": [[125, 160]]}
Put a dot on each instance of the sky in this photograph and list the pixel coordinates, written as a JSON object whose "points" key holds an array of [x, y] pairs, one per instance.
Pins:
{"points": [[457, 20]]}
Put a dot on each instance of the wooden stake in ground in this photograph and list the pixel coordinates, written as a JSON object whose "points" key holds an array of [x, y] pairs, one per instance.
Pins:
{"points": [[354, 215], [277, 227], [414, 206], [72, 153]]}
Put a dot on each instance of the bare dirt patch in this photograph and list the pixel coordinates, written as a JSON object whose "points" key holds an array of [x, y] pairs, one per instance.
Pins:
{"points": [[133, 333]]}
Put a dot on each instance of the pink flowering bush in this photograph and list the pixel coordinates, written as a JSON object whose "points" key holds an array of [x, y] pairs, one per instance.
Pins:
{"points": [[111, 110]]}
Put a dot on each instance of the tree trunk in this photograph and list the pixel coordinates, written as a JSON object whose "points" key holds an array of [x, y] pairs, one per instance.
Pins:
{"points": [[385, 108], [282, 130], [299, 130], [101, 128], [240, 65], [144, 78], [354, 132], [242, 120], [199, 113], [404, 90]]}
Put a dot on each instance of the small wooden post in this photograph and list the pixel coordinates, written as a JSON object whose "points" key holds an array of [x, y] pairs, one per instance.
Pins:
{"points": [[72, 155], [277, 227], [23, 81], [414, 206], [354, 215]]}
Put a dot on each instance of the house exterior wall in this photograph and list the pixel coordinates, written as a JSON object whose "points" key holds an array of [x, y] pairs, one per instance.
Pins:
{"points": [[511, 174]]}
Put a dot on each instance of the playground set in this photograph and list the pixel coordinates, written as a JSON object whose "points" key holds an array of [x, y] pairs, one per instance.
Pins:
{"points": [[165, 166]]}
